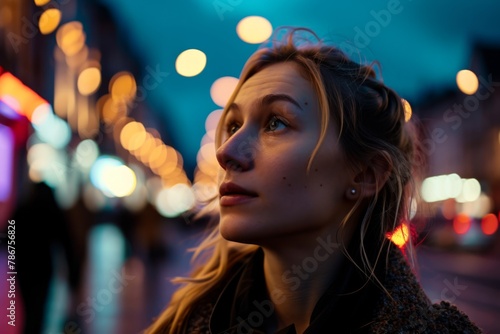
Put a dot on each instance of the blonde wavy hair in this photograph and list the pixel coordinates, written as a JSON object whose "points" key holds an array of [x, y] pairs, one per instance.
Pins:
{"points": [[372, 128]]}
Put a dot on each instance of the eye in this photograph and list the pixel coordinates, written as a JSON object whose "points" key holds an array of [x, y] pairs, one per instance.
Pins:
{"points": [[276, 123], [232, 127]]}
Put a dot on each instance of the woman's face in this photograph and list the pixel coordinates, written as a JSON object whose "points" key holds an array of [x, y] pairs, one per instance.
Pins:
{"points": [[269, 134]]}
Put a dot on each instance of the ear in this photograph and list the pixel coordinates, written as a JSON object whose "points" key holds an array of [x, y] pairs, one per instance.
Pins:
{"points": [[372, 177]]}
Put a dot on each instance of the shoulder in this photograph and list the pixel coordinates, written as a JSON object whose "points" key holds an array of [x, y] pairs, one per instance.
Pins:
{"points": [[409, 310], [199, 319]]}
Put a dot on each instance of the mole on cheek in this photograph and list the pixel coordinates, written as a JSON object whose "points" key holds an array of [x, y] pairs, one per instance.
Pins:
{"points": [[284, 177], [289, 184]]}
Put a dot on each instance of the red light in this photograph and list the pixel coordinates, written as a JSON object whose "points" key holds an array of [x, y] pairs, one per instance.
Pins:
{"points": [[461, 223], [489, 224]]}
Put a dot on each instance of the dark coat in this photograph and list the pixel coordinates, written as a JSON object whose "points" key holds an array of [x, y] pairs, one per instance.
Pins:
{"points": [[241, 305]]}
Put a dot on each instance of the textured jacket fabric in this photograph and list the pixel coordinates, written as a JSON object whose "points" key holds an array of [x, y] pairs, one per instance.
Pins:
{"points": [[240, 305]]}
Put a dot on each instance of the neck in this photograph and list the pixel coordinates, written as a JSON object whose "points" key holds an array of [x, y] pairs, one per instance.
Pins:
{"points": [[297, 275]]}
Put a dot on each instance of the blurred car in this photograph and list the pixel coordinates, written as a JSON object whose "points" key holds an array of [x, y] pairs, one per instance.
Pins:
{"points": [[461, 232]]}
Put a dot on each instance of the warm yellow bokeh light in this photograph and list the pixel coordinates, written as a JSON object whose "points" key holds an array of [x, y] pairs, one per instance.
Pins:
{"points": [[221, 90], [137, 140], [208, 153], [73, 42], [107, 108], [254, 29], [190, 62], [49, 20], [167, 169], [172, 162], [157, 156], [41, 2], [123, 86], [408, 111], [89, 80], [128, 135], [71, 38], [150, 144], [401, 235], [467, 82], [143, 152]]}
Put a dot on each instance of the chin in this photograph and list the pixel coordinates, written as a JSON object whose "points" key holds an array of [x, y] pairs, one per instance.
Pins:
{"points": [[242, 231]]}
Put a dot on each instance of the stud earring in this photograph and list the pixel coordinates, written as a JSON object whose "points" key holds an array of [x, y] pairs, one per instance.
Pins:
{"points": [[353, 191]]}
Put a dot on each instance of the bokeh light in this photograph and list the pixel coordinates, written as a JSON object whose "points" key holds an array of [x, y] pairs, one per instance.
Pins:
{"points": [[18, 96], [99, 172], [41, 2], [46, 164], [401, 235], [489, 224], [254, 29], [221, 90], [407, 109], [467, 82], [123, 86], [118, 181], [50, 128], [71, 38], [89, 80], [86, 153], [133, 135], [441, 187], [471, 190], [49, 20], [9, 107], [212, 120], [172, 201], [190, 63], [461, 223], [41, 115]]}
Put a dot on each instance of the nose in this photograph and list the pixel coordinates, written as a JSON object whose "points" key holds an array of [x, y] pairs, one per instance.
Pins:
{"points": [[237, 153]]}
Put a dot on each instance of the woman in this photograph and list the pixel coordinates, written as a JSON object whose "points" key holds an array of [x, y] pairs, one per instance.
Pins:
{"points": [[316, 169]]}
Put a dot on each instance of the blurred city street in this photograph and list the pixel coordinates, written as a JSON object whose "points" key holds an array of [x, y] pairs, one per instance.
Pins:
{"points": [[141, 288], [469, 280], [109, 111]]}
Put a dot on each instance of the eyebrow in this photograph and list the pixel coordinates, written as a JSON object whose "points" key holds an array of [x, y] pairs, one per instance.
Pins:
{"points": [[269, 99]]}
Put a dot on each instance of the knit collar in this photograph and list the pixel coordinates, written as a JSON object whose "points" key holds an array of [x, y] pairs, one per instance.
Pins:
{"points": [[245, 307]]}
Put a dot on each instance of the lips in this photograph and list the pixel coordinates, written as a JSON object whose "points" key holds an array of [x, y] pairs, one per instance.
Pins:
{"points": [[233, 194]]}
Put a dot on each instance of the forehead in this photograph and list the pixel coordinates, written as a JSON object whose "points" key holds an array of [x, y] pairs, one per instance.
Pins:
{"points": [[280, 78]]}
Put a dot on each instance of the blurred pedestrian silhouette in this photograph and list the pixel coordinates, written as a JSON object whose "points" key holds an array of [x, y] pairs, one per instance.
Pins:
{"points": [[42, 234]]}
